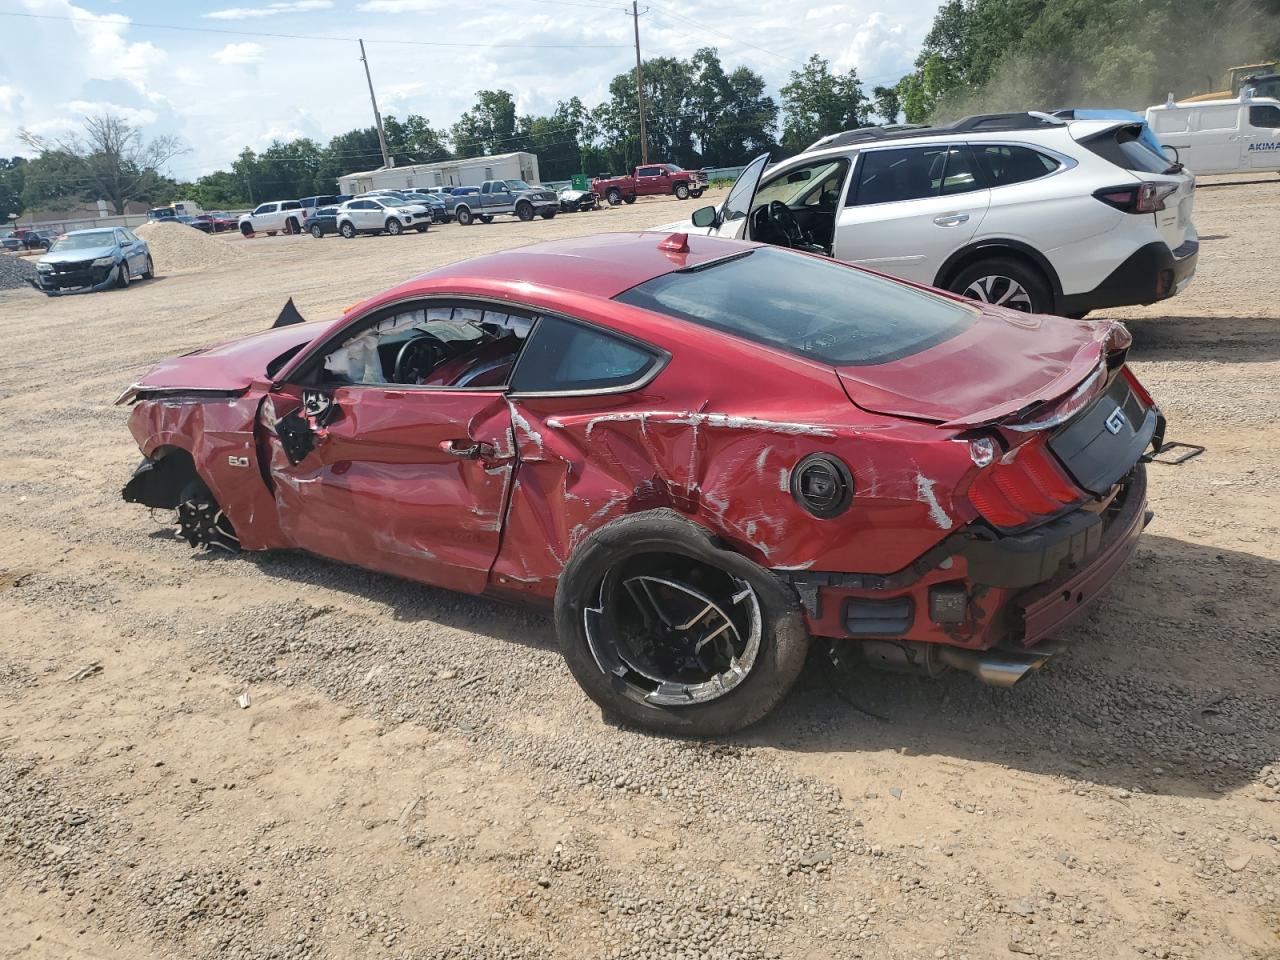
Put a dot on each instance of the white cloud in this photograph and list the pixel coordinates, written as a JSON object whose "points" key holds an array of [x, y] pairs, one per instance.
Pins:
{"points": [[399, 6], [239, 53], [9, 98], [881, 49], [92, 108], [270, 10]]}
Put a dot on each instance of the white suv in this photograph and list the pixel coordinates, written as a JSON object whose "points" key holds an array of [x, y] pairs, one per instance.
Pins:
{"points": [[379, 214], [1023, 210]]}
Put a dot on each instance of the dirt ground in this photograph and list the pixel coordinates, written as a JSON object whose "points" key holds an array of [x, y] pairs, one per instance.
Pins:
{"points": [[417, 775]]}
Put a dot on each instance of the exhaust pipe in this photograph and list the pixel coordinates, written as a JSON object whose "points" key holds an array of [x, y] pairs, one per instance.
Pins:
{"points": [[994, 667]]}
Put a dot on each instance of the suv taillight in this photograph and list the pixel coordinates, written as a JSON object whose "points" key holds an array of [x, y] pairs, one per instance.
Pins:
{"points": [[1137, 197], [1023, 487]]}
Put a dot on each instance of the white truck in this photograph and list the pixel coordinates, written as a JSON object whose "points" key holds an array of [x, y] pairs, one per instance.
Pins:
{"points": [[1221, 136], [276, 216]]}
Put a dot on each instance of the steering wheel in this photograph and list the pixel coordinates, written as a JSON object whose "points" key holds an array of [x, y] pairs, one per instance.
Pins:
{"points": [[418, 357], [786, 223]]}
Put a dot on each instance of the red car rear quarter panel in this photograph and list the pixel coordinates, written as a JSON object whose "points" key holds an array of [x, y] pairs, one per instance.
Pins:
{"points": [[716, 436]]}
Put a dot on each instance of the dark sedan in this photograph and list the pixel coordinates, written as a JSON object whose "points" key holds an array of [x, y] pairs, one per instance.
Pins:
{"points": [[323, 221]]}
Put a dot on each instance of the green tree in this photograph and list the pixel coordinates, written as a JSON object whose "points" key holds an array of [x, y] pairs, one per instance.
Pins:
{"points": [[219, 190], [12, 179], [488, 127], [888, 103], [112, 161], [817, 102]]}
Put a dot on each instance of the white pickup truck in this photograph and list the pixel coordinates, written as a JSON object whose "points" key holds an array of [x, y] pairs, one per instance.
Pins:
{"points": [[277, 216]]}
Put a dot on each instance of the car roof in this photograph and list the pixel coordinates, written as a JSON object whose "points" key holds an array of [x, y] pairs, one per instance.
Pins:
{"points": [[602, 266], [976, 126]]}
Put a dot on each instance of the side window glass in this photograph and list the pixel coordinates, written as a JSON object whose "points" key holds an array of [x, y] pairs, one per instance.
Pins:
{"points": [[1264, 116], [892, 176], [432, 346], [1218, 118], [564, 356], [1005, 165]]}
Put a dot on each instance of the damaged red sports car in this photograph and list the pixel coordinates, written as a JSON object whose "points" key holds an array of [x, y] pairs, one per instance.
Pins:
{"points": [[702, 452]]}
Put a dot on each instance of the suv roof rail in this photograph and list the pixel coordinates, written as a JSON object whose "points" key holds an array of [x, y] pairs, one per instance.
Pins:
{"points": [[979, 123], [1026, 120]]}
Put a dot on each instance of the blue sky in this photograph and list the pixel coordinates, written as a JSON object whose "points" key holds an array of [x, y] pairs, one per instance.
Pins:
{"points": [[221, 92]]}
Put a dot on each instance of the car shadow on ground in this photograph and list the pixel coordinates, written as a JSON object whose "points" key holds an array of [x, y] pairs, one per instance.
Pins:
{"points": [[1169, 686], [1205, 339]]}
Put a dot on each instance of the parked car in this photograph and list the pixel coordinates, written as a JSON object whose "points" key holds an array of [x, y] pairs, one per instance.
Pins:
{"points": [[161, 213], [434, 202], [424, 210], [385, 215], [1221, 136], [215, 222], [654, 179], [514, 197], [925, 481], [311, 204], [571, 200], [84, 261], [276, 216], [322, 222], [1024, 210]]}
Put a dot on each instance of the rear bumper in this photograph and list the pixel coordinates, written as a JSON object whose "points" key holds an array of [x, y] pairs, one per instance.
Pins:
{"points": [[982, 592], [1152, 272]]}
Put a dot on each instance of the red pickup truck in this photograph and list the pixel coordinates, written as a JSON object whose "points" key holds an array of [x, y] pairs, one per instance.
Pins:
{"points": [[651, 180]]}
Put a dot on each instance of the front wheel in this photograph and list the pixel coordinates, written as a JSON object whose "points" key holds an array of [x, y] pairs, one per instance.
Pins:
{"points": [[524, 211], [123, 277], [1005, 283], [392, 226], [682, 191], [464, 216], [666, 629], [347, 229], [246, 230], [614, 197]]}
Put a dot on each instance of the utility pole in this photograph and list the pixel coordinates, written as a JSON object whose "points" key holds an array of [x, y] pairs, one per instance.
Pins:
{"points": [[644, 142], [377, 117]]}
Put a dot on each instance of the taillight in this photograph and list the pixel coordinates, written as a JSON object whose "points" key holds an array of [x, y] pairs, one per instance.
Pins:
{"points": [[1137, 197], [1027, 485], [1138, 388]]}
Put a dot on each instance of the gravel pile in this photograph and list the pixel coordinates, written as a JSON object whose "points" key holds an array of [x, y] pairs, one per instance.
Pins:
{"points": [[14, 271], [175, 246]]}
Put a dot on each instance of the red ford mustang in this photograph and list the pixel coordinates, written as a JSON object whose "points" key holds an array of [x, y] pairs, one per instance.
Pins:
{"points": [[702, 452]]}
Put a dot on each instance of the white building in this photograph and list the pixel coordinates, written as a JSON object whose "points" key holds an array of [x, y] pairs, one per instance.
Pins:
{"points": [[470, 172]]}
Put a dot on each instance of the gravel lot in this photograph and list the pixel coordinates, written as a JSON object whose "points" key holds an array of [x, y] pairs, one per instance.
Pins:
{"points": [[417, 775]]}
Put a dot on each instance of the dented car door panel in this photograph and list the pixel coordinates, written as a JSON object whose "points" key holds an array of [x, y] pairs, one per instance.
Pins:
{"points": [[407, 481]]}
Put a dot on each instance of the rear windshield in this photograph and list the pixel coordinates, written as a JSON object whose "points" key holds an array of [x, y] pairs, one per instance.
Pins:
{"points": [[819, 309], [1125, 149]]}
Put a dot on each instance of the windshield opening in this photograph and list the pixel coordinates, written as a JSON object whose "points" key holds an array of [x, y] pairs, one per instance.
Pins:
{"points": [[517, 185], [816, 308], [85, 241]]}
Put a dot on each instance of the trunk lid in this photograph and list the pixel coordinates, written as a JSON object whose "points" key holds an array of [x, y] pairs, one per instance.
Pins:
{"points": [[1004, 365]]}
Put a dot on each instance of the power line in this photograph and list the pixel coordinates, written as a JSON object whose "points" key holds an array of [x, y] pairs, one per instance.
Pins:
{"points": [[304, 36]]}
